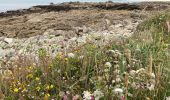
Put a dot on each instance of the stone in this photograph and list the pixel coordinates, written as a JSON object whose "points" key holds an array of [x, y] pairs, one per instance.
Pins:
{"points": [[34, 8], [1, 52], [1, 34], [8, 40], [48, 32], [78, 31], [108, 22], [73, 39], [82, 39], [35, 19], [96, 36], [118, 25], [85, 29]]}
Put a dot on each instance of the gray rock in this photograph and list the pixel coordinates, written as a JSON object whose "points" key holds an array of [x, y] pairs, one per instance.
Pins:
{"points": [[8, 40], [73, 39], [82, 40], [48, 32], [96, 36], [1, 52], [35, 8], [118, 25], [86, 30], [108, 22], [1, 34]]}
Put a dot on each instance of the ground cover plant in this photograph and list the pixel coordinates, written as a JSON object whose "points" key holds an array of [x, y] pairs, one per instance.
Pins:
{"points": [[137, 69]]}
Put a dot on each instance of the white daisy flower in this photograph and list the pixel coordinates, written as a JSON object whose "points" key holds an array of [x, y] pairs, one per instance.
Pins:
{"points": [[152, 75], [151, 87], [118, 90], [108, 65], [98, 94], [71, 55], [132, 73], [87, 95]]}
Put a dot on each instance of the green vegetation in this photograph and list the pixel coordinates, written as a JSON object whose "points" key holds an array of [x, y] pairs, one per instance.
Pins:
{"points": [[135, 70]]}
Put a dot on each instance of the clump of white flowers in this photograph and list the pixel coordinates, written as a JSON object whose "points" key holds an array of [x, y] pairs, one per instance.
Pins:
{"points": [[118, 79], [132, 73], [140, 70], [114, 53], [87, 95], [168, 98], [152, 75], [151, 86], [108, 65], [110, 52], [118, 90], [98, 94], [81, 57], [118, 52], [138, 75], [71, 55]]}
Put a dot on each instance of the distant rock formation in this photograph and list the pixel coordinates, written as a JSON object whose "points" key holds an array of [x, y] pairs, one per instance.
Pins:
{"points": [[88, 5]]}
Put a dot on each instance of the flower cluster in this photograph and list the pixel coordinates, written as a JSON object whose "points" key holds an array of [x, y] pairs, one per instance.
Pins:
{"points": [[119, 73]]}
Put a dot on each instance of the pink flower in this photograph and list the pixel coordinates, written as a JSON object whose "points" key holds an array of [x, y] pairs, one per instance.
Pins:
{"points": [[122, 98], [92, 98], [65, 97], [76, 97]]}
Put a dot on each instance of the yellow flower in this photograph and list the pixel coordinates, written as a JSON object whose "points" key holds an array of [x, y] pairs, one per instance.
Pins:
{"points": [[51, 65], [48, 87], [165, 46], [66, 59], [24, 90], [37, 78], [48, 94], [59, 55], [29, 76], [7, 73], [38, 88], [30, 67], [77, 51], [94, 46], [16, 90], [46, 97], [51, 86]]}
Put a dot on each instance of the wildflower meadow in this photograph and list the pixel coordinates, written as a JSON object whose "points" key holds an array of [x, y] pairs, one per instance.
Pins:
{"points": [[135, 69]]}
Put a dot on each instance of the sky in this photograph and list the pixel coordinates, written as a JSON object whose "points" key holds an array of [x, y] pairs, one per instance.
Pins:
{"points": [[19, 4]]}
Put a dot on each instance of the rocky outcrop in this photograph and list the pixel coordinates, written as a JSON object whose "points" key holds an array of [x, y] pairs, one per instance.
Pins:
{"points": [[86, 6], [54, 41], [67, 23], [71, 6], [65, 26], [62, 31]]}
